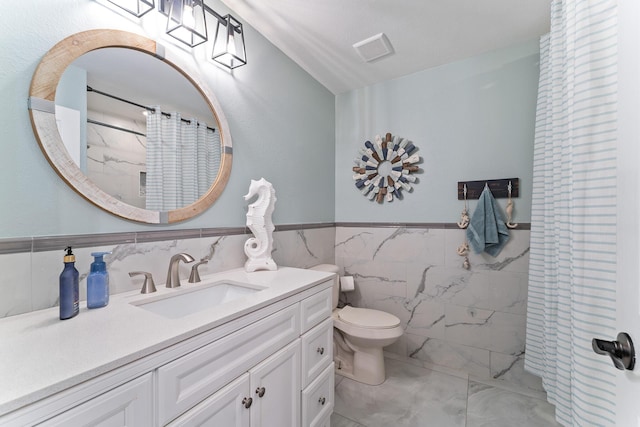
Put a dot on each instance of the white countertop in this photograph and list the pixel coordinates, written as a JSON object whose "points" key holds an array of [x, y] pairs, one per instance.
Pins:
{"points": [[41, 354]]}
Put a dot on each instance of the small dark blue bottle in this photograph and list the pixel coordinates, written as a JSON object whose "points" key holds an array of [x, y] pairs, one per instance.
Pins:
{"points": [[69, 287]]}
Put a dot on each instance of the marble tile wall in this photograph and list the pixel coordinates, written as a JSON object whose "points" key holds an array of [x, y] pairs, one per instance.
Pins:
{"points": [[115, 158], [30, 278], [467, 320], [470, 320]]}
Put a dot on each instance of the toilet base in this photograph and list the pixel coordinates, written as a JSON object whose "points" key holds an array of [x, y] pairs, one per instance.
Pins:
{"points": [[367, 367]]}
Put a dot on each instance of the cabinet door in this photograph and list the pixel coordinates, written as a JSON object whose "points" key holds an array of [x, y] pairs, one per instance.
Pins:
{"points": [[275, 388], [127, 405], [229, 407]]}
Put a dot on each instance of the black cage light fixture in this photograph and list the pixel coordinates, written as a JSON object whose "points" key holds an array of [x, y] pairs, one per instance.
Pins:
{"points": [[228, 46], [135, 7], [186, 22]]}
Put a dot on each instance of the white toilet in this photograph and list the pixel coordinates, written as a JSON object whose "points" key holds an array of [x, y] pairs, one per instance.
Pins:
{"points": [[359, 335]]}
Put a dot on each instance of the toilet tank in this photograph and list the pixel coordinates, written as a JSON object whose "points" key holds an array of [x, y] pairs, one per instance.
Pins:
{"points": [[331, 268]]}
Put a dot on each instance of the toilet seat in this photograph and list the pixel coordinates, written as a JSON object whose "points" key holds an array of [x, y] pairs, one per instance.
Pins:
{"points": [[367, 318]]}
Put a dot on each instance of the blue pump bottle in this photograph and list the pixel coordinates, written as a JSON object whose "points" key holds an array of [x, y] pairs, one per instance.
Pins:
{"points": [[69, 287], [98, 282]]}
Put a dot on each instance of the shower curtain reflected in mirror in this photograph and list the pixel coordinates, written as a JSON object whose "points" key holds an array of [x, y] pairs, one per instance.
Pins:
{"points": [[183, 158]]}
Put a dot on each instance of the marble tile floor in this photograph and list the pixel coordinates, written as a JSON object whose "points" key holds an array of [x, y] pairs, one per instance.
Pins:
{"points": [[413, 396]]}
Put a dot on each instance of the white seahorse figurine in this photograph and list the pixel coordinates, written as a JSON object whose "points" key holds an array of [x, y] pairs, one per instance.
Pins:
{"points": [[258, 248]]}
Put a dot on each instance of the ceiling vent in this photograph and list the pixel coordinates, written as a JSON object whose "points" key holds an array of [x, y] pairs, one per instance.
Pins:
{"points": [[374, 47]]}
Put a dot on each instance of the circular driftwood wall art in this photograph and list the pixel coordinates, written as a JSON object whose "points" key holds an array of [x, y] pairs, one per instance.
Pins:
{"points": [[385, 168]]}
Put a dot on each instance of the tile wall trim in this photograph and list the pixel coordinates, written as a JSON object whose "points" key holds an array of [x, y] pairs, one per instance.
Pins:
{"points": [[295, 227], [435, 225], [49, 243], [227, 231], [12, 246], [155, 236]]}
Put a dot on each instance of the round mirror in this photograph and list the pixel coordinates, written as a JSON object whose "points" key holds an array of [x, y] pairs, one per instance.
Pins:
{"points": [[128, 129]]}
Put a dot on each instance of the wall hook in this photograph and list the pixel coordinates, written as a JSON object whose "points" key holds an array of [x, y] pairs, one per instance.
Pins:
{"points": [[509, 208], [463, 249], [464, 216], [498, 188]]}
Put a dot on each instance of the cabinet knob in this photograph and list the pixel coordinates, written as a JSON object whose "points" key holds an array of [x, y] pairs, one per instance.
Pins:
{"points": [[322, 400], [247, 401], [320, 350], [260, 391]]}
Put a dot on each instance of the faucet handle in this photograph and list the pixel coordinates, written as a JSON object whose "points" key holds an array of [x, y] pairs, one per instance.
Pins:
{"points": [[195, 276], [148, 286]]}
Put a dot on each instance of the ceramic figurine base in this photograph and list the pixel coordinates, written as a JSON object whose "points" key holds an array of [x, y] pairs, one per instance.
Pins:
{"points": [[260, 264]]}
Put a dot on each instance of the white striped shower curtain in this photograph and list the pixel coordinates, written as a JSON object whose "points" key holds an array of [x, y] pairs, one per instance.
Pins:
{"points": [[183, 158], [572, 274]]}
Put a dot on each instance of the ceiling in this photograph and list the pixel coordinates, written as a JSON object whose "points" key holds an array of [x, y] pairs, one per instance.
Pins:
{"points": [[319, 35]]}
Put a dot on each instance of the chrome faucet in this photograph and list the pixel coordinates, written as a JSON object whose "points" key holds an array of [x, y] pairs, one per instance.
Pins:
{"points": [[173, 275]]}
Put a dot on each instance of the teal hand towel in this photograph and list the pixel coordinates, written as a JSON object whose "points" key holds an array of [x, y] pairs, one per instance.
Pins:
{"points": [[487, 231]]}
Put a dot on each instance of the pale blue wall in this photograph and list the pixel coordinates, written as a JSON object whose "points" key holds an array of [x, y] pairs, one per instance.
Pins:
{"points": [[281, 120], [472, 120]]}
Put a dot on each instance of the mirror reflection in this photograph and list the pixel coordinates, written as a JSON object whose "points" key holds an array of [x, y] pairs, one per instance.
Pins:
{"points": [[138, 129]]}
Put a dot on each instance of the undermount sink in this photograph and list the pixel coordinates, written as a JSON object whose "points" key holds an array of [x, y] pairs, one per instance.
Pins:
{"points": [[185, 301]]}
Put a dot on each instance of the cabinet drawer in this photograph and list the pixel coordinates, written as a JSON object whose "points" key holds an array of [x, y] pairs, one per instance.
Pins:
{"points": [[188, 380], [130, 404], [315, 309], [318, 399], [317, 351], [226, 407]]}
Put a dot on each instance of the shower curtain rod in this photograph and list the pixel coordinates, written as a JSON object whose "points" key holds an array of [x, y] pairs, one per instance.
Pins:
{"points": [[117, 98], [107, 125]]}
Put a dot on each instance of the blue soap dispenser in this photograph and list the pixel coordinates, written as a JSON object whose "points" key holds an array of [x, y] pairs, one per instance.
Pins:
{"points": [[98, 282], [69, 287]]}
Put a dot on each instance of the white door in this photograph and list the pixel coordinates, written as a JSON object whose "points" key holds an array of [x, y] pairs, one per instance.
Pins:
{"points": [[275, 388], [628, 297]]}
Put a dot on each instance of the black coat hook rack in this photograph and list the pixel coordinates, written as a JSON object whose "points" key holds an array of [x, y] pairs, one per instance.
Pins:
{"points": [[499, 188]]}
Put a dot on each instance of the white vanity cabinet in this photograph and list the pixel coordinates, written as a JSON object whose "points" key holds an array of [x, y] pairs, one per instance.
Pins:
{"points": [[277, 385], [271, 367], [186, 381], [266, 396]]}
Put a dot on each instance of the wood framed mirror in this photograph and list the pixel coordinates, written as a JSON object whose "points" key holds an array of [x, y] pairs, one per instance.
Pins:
{"points": [[42, 110]]}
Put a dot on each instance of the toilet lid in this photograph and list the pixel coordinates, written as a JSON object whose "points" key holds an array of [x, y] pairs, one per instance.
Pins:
{"points": [[367, 318]]}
